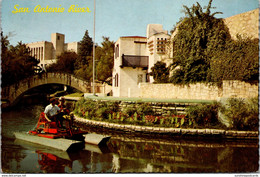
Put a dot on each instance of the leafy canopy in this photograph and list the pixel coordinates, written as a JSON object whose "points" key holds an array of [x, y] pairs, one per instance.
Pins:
{"points": [[204, 51], [16, 62], [105, 59], [65, 63], [199, 33]]}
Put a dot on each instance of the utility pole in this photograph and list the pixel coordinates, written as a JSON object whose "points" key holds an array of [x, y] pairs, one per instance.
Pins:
{"points": [[94, 48]]}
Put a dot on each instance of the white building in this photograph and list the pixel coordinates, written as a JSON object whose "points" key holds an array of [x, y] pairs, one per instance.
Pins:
{"points": [[47, 52], [130, 65], [157, 40], [134, 57]]}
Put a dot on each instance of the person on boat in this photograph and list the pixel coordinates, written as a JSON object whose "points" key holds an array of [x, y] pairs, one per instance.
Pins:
{"points": [[63, 110], [51, 111], [62, 106]]}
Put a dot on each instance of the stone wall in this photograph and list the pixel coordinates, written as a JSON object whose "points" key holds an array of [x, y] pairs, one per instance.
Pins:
{"points": [[183, 132], [160, 108], [229, 89], [238, 89], [244, 24]]}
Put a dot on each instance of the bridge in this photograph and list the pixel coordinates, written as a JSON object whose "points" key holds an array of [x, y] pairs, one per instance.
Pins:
{"points": [[13, 92]]}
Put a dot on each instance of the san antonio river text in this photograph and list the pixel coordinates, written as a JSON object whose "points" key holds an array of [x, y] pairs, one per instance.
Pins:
{"points": [[39, 9]]}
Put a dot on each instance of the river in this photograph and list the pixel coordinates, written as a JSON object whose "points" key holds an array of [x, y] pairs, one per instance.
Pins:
{"points": [[124, 153]]}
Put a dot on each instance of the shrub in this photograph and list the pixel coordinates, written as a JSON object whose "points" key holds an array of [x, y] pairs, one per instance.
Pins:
{"points": [[144, 109], [129, 110], [103, 112], [160, 72], [85, 108], [243, 114], [204, 114]]}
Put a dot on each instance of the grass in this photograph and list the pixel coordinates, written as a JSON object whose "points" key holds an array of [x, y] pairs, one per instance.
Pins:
{"points": [[75, 95], [149, 99]]}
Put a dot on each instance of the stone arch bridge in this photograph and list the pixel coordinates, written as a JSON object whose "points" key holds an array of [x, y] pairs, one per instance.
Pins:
{"points": [[13, 92]]}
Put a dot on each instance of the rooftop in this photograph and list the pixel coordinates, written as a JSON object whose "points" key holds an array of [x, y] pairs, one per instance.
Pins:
{"points": [[133, 37]]}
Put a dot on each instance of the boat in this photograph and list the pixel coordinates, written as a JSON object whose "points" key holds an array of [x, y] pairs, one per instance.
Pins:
{"points": [[68, 138]]}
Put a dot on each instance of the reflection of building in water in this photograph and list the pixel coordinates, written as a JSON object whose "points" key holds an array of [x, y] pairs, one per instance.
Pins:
{"points": [[47, 52], [184, 157]]}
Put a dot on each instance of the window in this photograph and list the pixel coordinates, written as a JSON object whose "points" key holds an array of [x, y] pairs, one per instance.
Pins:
{"points": [[58, 37], [117, 51], [139, 78], [116, 80], [147, 77]]}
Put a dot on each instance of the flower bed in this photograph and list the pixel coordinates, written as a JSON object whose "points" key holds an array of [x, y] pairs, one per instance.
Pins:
{"points": [[243, 117]]}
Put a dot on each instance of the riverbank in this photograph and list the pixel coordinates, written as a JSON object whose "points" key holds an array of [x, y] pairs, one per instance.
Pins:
{"points": [[178, 132]]}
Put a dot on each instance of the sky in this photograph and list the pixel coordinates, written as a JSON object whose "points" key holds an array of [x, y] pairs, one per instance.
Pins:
{"points": [[114, 18]]}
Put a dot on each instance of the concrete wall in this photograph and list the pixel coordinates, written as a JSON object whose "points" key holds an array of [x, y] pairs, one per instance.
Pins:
{"points": [[129, 81], [58, 41], [72, 46], [229, 89]]}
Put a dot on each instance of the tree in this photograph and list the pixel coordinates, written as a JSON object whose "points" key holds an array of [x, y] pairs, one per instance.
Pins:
{"points": [[105, 59], [64, 63], [4, 46], [199, 34], [84, 61], [160, 72], [85, 50], [17, 63]]}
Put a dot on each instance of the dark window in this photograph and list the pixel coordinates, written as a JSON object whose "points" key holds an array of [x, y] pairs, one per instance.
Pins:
{"points": [[135, 61], [116, 80], [139, 78], [117, 51]]}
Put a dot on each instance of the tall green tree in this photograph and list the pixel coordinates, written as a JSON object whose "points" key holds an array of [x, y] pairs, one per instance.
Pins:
{"points": [[85, 50], [105, 59], [199, 34], [83, 63]]}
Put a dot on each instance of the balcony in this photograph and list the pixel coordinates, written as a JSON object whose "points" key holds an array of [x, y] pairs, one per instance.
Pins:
{"points": [[135, 61]]}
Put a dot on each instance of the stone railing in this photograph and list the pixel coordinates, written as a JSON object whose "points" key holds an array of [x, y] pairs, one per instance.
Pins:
{"points": [[231, 134]]}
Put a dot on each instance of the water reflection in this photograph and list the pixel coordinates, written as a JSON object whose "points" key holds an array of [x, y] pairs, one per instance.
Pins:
{"points": [[50, 163], [137, 155], [142, 155]]}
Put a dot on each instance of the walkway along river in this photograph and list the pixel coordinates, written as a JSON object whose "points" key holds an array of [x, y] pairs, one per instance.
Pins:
{"points": [[125, 152]]}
